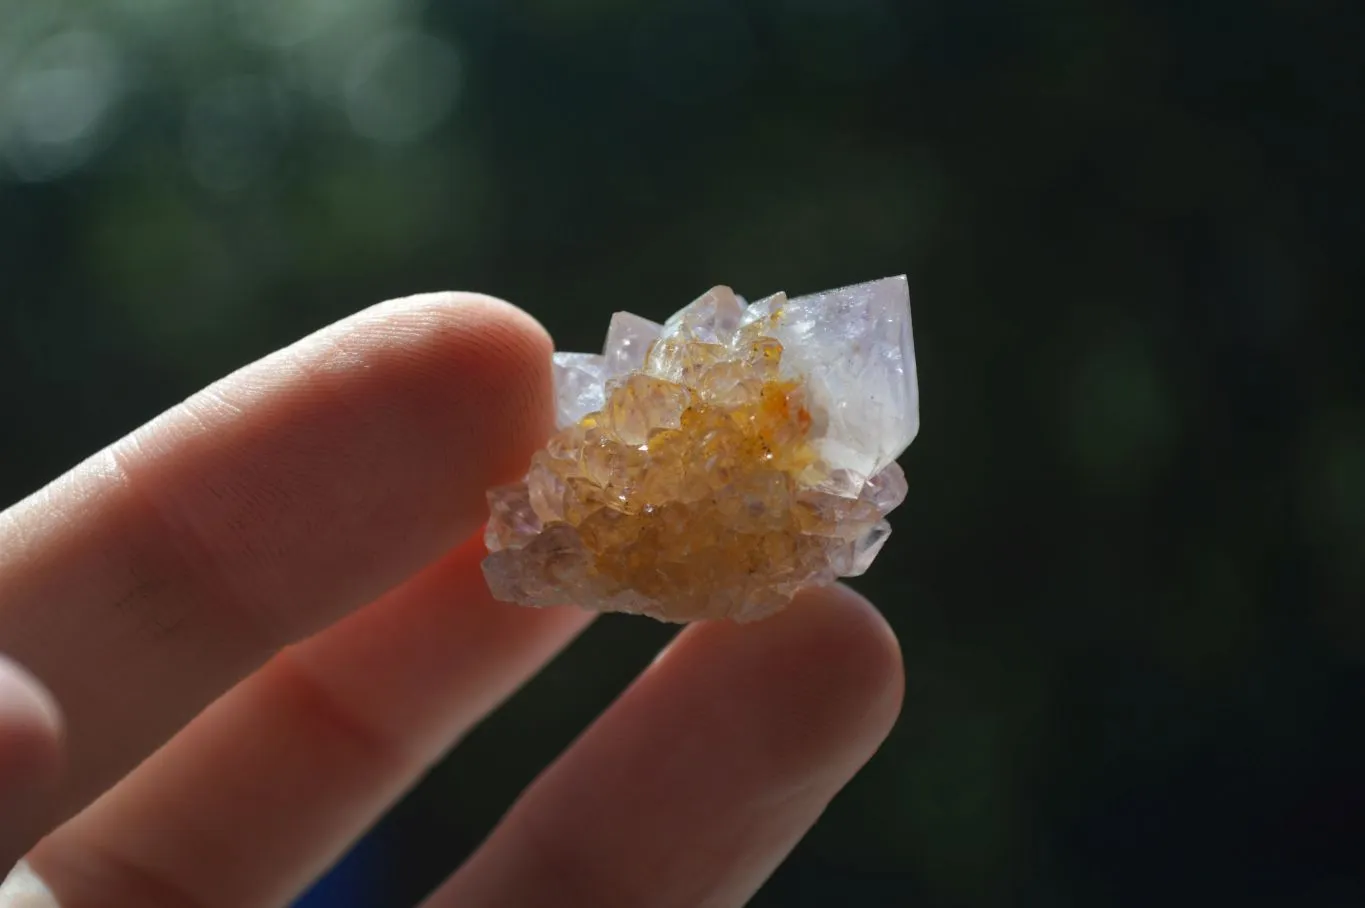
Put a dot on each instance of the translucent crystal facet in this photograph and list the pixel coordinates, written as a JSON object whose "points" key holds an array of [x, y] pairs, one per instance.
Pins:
{"points": [[628, 340], [711, 318], [579, 386], [715, 465], [855, 351]]}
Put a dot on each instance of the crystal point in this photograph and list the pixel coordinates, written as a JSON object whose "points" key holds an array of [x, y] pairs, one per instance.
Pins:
{"points": [[628, 340], [580, 380], [855, 348], [711, 318], [715, 465]]}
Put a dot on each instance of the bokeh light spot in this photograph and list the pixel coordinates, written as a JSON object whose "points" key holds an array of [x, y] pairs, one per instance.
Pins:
{"points": [[54, 108], [233, 131], [401, 86], [287, 23]]}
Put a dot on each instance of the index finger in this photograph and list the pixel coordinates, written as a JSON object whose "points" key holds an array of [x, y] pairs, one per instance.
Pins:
{"points": [[151, 578]]}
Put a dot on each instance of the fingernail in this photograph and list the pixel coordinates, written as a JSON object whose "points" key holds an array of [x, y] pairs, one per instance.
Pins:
{"points": [[30, 759], [24, 701]]}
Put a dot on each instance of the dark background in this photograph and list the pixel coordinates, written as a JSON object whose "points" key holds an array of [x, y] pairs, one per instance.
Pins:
{"points": [[1129, 575]]}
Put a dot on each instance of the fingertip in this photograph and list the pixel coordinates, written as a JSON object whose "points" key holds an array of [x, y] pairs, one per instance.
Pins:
{"points": [[848, 674], [516, 338], [822, 681], [28, 710], [30, 737], [462, 376], [480, 312], [858, 648], [500, 356]]}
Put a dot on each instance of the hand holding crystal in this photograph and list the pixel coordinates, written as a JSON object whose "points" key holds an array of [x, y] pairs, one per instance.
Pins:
{"points": [[249, 627]]}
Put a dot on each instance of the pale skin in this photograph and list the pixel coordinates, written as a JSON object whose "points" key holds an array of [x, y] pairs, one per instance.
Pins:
{"points": [[234, 638]]}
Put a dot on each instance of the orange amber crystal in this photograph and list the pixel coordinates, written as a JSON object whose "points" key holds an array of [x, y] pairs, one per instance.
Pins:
{"points": [[697, 482]]}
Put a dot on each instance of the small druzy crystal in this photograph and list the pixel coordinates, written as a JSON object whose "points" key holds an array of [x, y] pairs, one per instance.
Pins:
{"points": [[712, 466]]}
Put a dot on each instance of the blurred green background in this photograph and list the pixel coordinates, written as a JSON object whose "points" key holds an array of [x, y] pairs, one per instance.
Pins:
{"points": [[1129, 576]]}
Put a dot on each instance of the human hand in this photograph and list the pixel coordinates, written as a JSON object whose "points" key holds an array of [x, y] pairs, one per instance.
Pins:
{"points": [[261, 618]]}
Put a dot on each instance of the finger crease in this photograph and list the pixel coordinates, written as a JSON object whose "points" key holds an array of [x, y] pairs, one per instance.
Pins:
{"points": [[104, 877], [194, 556], [573, 880], [313, 696]]}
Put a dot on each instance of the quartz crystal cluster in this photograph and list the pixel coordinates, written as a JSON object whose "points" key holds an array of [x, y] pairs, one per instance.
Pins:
{"points": [[712, 466]]}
